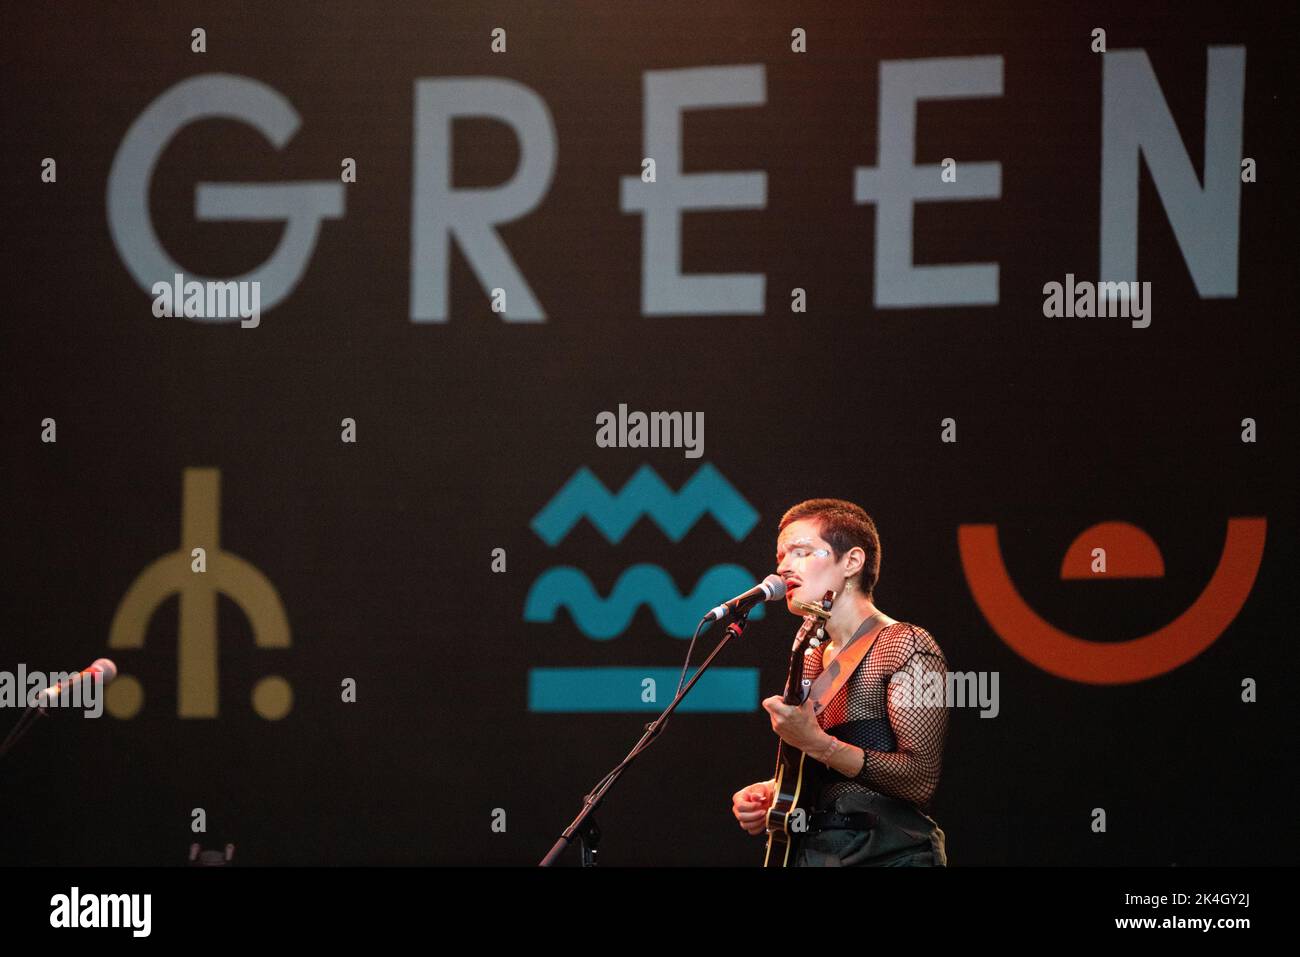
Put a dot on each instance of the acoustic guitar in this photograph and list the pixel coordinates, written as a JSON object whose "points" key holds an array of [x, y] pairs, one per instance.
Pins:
{"points": [[791, 793]]}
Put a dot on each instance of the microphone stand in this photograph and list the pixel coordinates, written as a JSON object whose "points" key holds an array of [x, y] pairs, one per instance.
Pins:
{"points": [[34, 712], [584, 825]]}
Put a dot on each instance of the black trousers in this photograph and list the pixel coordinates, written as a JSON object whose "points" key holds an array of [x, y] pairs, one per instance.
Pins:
{"points": [[902, 837]]}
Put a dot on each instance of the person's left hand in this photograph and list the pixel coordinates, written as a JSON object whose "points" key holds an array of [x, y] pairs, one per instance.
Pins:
{"points": [[796, 726]]}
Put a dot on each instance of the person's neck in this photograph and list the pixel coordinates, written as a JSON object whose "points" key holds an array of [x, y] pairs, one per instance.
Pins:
{"points": [[847, 613]]}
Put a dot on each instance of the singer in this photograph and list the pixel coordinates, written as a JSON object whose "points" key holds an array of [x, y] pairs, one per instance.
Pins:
{"points": [[880, 750]]}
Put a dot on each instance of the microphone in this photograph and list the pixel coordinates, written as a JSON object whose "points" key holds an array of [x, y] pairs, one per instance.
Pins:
{"points": [[770, 588], [101, 666]]}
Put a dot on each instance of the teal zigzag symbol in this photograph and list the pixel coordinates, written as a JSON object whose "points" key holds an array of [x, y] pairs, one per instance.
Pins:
{"points": [[644, 494], [596, 617]]}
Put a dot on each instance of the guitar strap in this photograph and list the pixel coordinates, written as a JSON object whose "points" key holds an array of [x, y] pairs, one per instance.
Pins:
{"points": [[832, 679]]}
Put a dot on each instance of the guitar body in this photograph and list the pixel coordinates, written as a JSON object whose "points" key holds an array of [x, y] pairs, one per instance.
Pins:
{"points": [[791, 795], [796, 775]]}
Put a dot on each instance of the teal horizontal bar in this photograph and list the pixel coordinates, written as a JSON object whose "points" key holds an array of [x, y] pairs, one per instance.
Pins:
{"points": [[570, 690]]}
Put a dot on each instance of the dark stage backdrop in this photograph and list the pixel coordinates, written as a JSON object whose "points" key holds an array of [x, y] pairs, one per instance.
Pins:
{"points": [[464, 260]]}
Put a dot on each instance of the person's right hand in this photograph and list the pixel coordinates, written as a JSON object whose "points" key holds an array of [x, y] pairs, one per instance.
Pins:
{"points": [[750, 805]]}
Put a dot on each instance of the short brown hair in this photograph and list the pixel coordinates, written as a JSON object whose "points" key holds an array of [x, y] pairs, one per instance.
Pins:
{"points": [[844, 526]]}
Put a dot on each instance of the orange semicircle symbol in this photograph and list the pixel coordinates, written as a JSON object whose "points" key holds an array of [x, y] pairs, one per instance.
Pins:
{"points": [[1129, 551], [1121, 662]]}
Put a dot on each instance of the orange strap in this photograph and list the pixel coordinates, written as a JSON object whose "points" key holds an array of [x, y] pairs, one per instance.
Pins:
{"points": [[832, 679]]}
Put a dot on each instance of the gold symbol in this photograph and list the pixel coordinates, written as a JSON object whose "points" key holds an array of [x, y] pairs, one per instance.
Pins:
{"points": [[227, 574]]}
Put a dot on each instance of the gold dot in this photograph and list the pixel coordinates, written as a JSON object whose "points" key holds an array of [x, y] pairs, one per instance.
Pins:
{"points": [[124, 697], [272, 697]]}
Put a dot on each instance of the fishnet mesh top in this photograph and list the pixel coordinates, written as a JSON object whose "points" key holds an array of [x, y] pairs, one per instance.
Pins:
{"points": [[901, 733]]}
